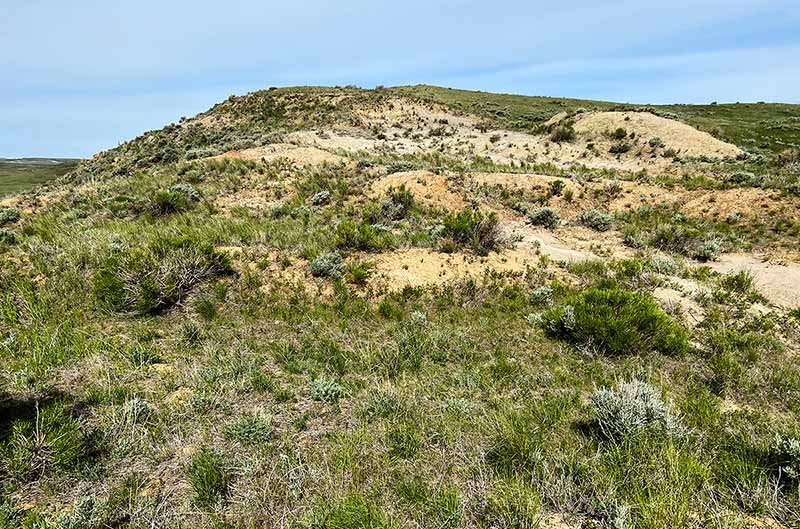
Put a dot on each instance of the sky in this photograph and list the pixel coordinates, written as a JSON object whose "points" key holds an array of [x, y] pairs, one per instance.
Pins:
{"points": [[82, 76]]}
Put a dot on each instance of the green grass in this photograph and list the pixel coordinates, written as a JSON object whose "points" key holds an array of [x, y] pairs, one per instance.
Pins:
{"points": [[217, 366], [24, 175]]}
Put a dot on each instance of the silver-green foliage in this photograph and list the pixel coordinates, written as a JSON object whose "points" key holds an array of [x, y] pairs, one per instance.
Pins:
{"points": [[632, 408]]}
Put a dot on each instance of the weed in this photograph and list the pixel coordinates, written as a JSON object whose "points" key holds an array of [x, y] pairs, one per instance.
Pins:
{"points": [[326, 390]]}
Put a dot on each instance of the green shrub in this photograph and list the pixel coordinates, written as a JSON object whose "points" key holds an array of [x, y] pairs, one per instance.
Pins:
{"points": [[398, 203], [617, 322], [326, 390], [249, 430], [360, 272], [619, 134], [361, 236], [8, 215], [327, 265], [630, 409], [168, 202], [208, 478], [7, 236], [563, 133], [470, 227], [546, 217], [620, 148], [400, 166], [595, 219], [187, 190], [152, 278], [52, 441]]}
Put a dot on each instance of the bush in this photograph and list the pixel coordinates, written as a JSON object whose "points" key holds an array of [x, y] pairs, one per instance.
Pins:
{"points": [[326, 390], [327, 265], [562, 133], [8, 215], [7, 236], [656, 142], [595, 219], [620, 148], [708, 250], [209, 479], [187, 190], [619, 134], [152, 278], [472, 228], [786, 457], [630, 409], [400, 166], [361, 236], [617, 322], [542, 296], [359, 273], [52, 441], [321, 198], [546, 217], [398, 203], [168, 202], [249, 430]]}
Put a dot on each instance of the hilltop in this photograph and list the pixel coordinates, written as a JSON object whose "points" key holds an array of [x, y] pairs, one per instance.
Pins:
{"points": [[410, 307]]}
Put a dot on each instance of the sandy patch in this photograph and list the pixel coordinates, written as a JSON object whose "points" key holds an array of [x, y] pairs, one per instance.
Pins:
{"points": [[778, 282], [676, 135], [419, 266], [428, 188], [299, 155]]}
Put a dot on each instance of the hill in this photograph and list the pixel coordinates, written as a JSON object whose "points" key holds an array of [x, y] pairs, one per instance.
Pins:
{"points": [[22, 174], [410, 307]]}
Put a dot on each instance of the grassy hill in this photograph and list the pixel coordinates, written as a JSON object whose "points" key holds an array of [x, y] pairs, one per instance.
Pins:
{"points": [[20, 175], [409, 308]]}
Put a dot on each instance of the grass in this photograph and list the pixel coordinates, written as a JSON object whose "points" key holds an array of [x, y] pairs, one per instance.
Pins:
{"points": [[220, 365]]}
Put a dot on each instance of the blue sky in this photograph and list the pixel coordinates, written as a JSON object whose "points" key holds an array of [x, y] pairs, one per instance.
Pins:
{"points": [[84, 75]]}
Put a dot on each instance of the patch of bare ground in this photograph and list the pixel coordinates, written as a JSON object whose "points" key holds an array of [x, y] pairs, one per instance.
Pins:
{"points": [[420, 267], [645, 126], [428, 188], [779, 282], [299, 155]]}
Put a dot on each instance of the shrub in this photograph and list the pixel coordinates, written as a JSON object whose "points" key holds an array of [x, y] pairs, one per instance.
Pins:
{"points": [[398, 203], [326, 390], [321, 198], [546, 217], [542, 295], [400, 166], [187, 190], [472, 228], [786, 457], [361, 236], [787, 158], [327, 265], [656, 142], [7, 236], [620, 148], [152, 278], [249, 430], [209, 479], [619, 134], [8, 215], [168, 202], [617, 322], [562, 133], [555, 188], [52, 441], [359, 273], [708, 250], [630, 409], [595, 219]]}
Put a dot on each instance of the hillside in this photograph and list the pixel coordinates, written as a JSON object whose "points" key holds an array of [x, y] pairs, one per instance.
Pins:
{"points": [[19, 175], [410, 307]]}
